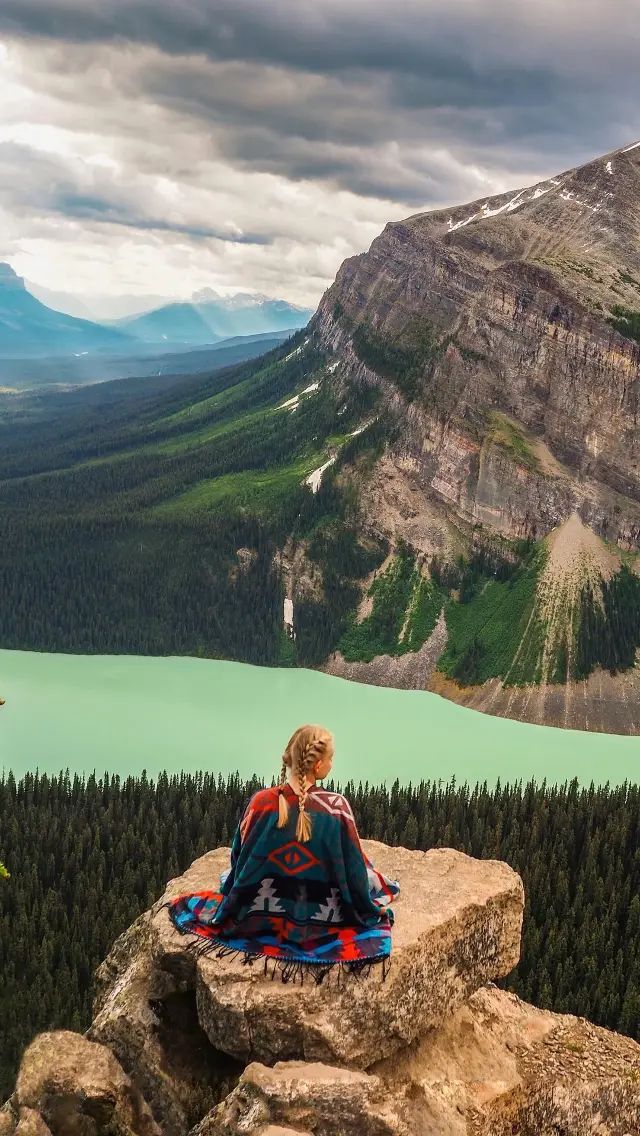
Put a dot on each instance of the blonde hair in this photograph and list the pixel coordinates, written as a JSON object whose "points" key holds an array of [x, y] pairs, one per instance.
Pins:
{"points": [[308, 746]]}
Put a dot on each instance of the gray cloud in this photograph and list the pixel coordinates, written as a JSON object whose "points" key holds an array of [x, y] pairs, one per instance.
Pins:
{"points": [[419, 103], [331, 35], [36, 183], [314, 90]]}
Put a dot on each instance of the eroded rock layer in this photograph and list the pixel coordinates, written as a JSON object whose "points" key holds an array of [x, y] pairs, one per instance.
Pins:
{"points": [[434, 1051]]}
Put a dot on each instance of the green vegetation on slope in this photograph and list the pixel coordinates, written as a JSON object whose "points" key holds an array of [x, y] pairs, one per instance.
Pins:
{"points": [[498, 627], [403, 363], [608, 630], [87, 857], [405, 609], [345, 560], [122, 512], [626, 321], [498, 632], [513, 438], [260, 492]]}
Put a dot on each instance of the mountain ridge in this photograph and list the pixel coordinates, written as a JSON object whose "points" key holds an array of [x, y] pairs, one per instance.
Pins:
{"points": [[379, 493], [208, 320], [30, 328]]}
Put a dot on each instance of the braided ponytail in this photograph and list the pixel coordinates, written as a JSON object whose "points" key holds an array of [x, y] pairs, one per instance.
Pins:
{"points": [[283, 807], [305, 749], [303, 827]]}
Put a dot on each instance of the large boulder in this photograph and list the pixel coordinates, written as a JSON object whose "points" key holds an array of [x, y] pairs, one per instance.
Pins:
{"points": [[30, 1123], [498, 1067], [77, 1088], [307, 1096], [173, 952], [149, 1020], [458, 926]]}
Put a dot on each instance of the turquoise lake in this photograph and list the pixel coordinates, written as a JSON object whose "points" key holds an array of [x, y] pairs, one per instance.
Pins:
{"points": [[126, 713]]}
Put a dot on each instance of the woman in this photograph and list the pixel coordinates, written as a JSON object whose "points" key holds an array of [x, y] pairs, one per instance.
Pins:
{"points": [[300, 890]]}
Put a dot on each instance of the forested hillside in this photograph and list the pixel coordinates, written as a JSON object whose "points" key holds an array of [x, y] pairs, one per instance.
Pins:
{"points": [[437, 483], [87, 857], [146, 501]]}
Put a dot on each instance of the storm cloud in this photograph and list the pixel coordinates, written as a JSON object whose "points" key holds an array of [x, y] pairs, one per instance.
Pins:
{"points": [[268, 140]]}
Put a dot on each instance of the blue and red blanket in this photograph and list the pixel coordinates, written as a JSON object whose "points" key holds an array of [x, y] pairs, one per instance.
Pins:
{"points": [[313, 905]]}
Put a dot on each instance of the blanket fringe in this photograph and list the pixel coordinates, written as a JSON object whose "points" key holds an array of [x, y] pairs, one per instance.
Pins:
{"points": [[292, 971], [288, 970]]}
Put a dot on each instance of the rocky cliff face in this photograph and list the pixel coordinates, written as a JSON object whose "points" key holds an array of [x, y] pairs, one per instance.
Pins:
{"points": [[503, 338], [208, 1047], [502, 306]]}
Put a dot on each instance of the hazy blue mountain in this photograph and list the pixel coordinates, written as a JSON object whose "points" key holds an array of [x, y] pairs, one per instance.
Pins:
{"points": [[28, 328], [209, 317], [34, 374], [96, 306], [175, 324], [61, 301]]}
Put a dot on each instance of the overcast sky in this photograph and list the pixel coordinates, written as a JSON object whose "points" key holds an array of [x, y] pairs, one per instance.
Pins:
{"points": [[166, 145]]}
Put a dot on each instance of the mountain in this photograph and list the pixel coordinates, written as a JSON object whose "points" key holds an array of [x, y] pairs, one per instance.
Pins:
{"points": [[29, 328], [504, 337], [209, 317], [61, 301], [438, 482], [32, 374], [95, 306]]}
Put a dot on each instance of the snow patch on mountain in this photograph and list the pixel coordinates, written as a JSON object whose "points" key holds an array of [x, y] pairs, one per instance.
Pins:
{"points": [[314, 480], [515, 203], [293, 403]]}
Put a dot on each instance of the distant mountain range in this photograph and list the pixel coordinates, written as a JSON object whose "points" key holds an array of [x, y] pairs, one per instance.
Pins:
{"points": [[34, 374], [97, 307], [435, 485], [30, 328], [209, 317]]}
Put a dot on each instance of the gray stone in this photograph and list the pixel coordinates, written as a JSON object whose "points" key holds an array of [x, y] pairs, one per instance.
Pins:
{"points": [[458, 926], [150, 1023], [320, 1098], [79, 1089]]}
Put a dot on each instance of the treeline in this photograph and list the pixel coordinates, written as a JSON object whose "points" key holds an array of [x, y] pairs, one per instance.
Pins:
{"points": [[625, 320], [99, 553], [123, 587], [86, 857], [609, 628]]}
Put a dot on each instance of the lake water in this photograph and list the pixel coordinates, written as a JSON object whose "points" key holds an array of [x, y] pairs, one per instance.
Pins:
{"points": [[125, 714]]}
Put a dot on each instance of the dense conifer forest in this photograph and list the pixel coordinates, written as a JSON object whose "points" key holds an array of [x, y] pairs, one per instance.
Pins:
{"points": [[150, 517], [86, 857]]}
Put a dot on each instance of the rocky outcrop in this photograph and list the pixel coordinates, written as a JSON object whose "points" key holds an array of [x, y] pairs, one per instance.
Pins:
{"points": [[148, 1018], [433, 1051], [458, 924], [514, 293], [68, 1086], [500, 1067], [326, 1098], [496, 1068]]}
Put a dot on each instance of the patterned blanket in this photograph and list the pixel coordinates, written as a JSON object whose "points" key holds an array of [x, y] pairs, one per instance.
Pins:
{"points": [[308, 906]]}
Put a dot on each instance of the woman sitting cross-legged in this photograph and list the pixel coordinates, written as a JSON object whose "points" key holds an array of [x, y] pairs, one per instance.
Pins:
{"points": [[300, 889]]}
